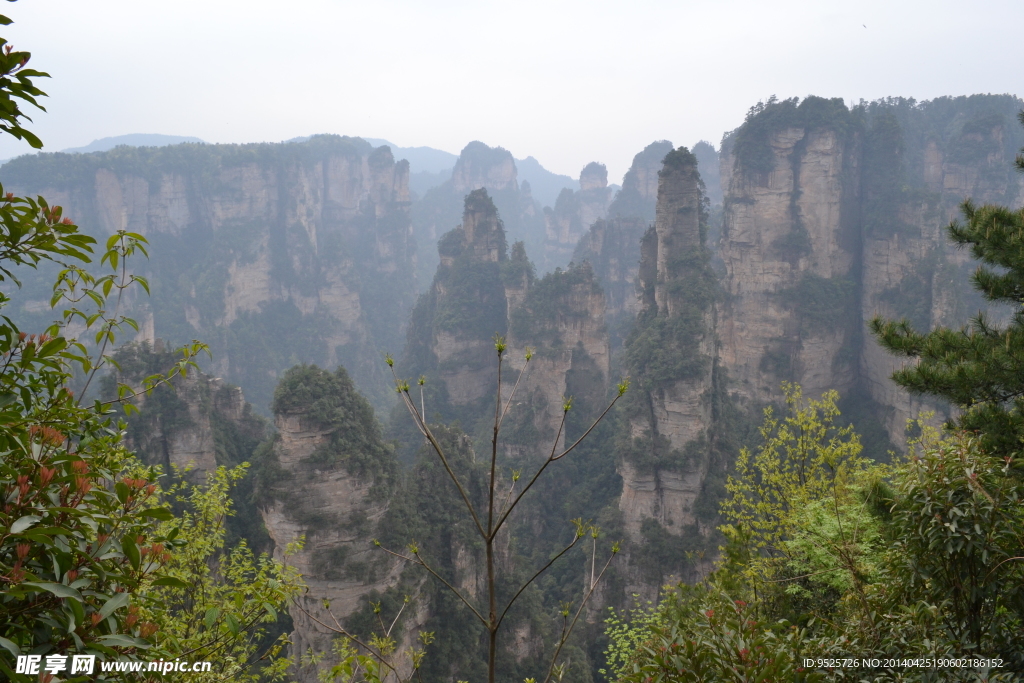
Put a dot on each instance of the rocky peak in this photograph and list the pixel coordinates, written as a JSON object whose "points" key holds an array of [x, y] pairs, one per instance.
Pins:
{"points": [[640, 184], [480, 166], [677, 222], [574, 213], [594, 176], [483, 229]]}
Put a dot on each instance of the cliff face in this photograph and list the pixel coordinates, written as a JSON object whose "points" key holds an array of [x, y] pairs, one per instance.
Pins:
{"points": [[199, 424], [639, 191], [455, 321], [561, 318], [612, 245], [327, 476], [921, 161], [833, 216], [269, 253], [789, 244], [574, 213], [479, 168], [671, 354]]}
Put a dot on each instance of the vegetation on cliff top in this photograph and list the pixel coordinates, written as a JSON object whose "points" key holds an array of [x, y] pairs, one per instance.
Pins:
{"points": [[752, 141]]}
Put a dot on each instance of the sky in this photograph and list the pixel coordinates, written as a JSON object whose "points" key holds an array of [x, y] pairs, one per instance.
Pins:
{"points": [[564, 81]]}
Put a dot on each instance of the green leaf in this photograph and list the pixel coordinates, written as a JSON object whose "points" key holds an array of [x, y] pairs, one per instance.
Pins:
{"points": [[24, 523], [211, 617], [58, 589], [115, 603], [131, 551], [119, 640], [270, 610], [232, 621], [171, 581], [122, 492], [9, 646], [162, 514]]}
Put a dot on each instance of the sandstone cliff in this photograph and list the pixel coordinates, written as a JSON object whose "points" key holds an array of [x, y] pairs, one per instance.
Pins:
{"points": [[327, 476], [612, 245], [451, 336], [561, 318], [574, 213], [200, 423], [271, 254], [666, 452], [639, 191], [789, 245], [833, 216], [479, 167]]}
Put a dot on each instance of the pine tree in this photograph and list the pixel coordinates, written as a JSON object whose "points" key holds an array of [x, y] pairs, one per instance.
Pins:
{"points": [[979, 367]]}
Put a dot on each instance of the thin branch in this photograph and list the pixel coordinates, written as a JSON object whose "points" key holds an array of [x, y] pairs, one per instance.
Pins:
{"points": [[596, 422], [532, 578], [515, 501], [418, 560], [494, 452], [1009, 559], [508, 404], [146, 390], [804, 576], [106, 338], [395, 620], [348, 635], [425, 430], [572, 625], [508, 497]]}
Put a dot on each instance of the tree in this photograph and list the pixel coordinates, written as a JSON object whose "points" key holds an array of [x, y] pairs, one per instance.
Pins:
{"points": [[848, 561], [488, 515], [980, 367], [212, 603], [74, 509]]}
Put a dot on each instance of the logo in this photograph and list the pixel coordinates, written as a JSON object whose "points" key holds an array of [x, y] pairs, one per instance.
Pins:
{"points": [[55, 664]]}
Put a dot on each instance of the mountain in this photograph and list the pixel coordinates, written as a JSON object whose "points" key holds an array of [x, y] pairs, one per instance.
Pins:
{"points": [[293, 254], [132, 140], [544, 185], [273, 254], [429, 167]]}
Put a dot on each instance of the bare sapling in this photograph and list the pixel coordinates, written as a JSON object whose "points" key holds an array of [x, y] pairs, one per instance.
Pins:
{"points": [[500, 503]]}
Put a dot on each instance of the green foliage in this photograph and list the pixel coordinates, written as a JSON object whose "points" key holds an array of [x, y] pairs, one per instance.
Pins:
{"points": [[830, 556], [663, 349], [211, 601], [958, 522], [553, 302], [474, 298], [803, 458], [330, 401], [33, 231], [75, 505], [68, 530], [16, 84], [701, 635], [821, 303], [752, 142], [518, 269]]}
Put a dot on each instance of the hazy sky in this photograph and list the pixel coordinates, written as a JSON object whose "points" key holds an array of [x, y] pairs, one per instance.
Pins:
{"points": [[565, 81]]}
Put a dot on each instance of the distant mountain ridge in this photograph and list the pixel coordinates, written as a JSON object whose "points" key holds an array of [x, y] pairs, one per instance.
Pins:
{"points": [[132, 140], [429, 167]]}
